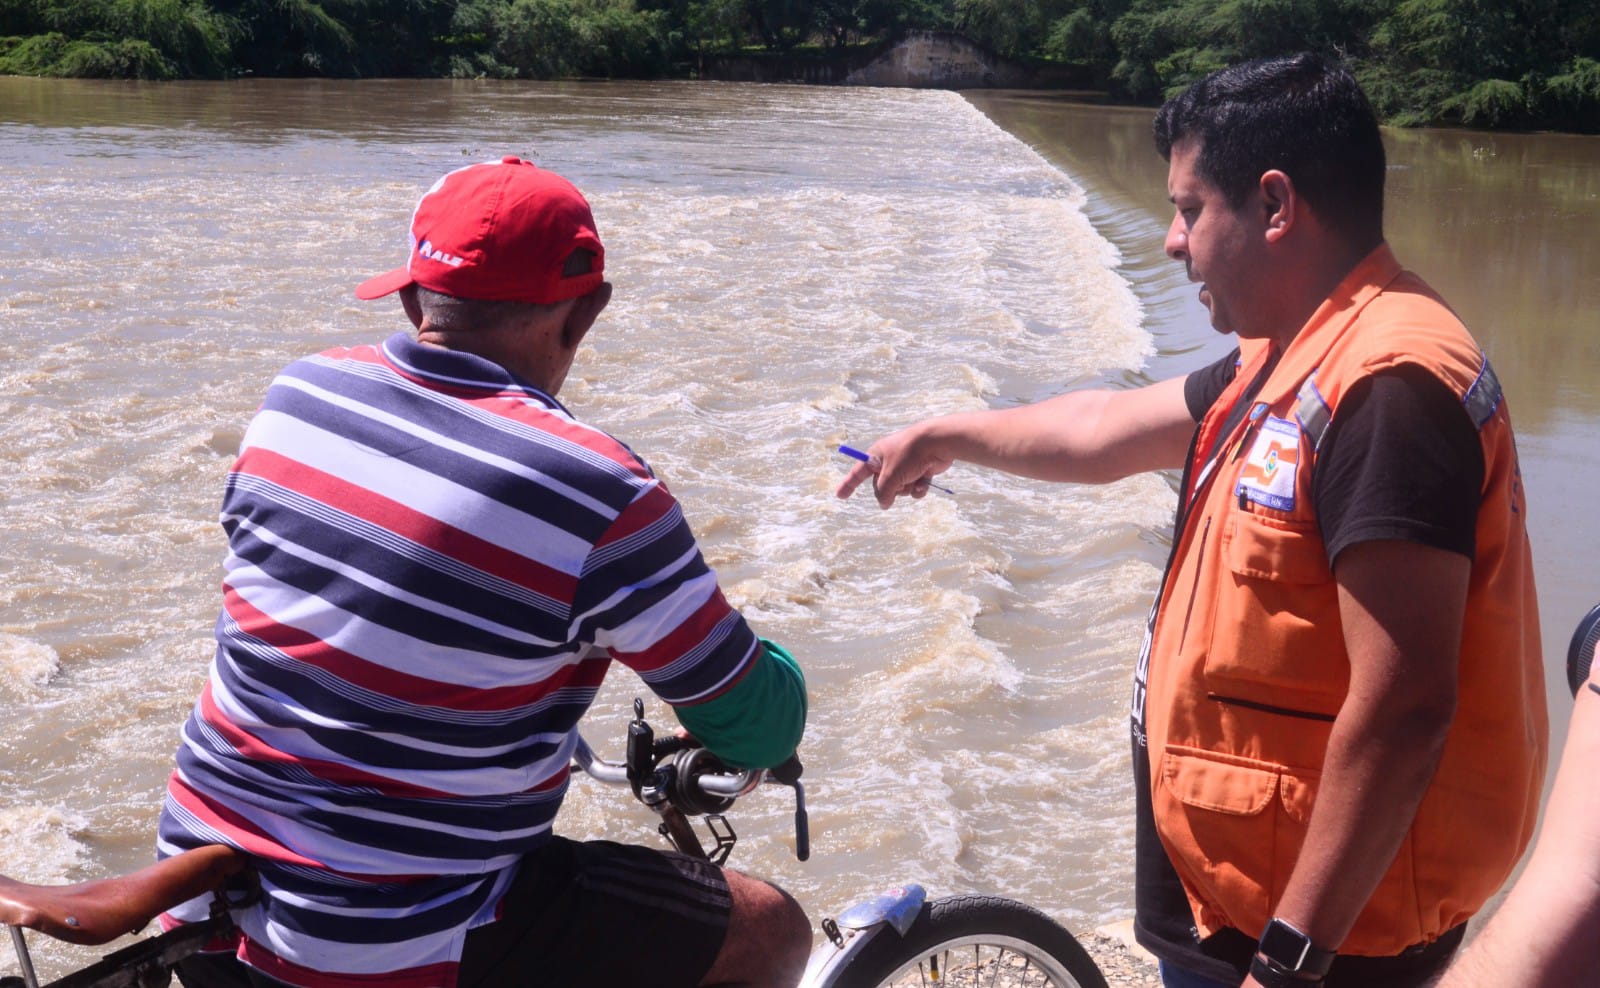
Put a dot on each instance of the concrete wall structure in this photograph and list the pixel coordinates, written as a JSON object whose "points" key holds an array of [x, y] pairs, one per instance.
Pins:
{"points": [[938, 60], [919, 60], [823, 70]]}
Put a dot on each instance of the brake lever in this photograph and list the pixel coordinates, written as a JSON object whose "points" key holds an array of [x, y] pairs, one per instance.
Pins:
{"points": [[789, 774], [653, 772], [640, 758], [802, 823]]}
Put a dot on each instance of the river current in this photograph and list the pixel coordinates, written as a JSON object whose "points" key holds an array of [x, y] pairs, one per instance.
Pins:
{"points": [[794, 268]]}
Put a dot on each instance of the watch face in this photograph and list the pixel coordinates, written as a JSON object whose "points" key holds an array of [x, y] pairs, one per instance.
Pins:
{"points": [[1285, 944]]}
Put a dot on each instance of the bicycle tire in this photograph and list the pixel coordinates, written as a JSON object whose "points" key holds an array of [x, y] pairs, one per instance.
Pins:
{"points": [[975, 940]]}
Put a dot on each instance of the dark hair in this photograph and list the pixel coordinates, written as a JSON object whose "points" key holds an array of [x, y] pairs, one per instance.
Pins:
{"points": [[449, 314], [1301, 114]]}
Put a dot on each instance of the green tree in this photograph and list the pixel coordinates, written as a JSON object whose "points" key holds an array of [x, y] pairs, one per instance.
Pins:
{"points": [[613, 38], [1573, 94], [1151, 40], [1082, 35], [781, 24], [547, 39], [1521, 63], [526, 38], [1010, 28], [292, 37], [844, 21], [1163, 46], [714, 25], [138, 39], [402, 37]]}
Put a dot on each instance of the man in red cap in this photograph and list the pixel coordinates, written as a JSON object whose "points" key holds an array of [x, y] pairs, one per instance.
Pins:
{"points": [[431, 565]]}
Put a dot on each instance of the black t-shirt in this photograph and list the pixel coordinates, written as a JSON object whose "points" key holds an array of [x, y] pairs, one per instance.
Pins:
{"points": [[1400, 460]]}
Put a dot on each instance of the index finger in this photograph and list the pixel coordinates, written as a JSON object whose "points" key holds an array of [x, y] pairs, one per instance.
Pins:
{"points": [[853, 479]]}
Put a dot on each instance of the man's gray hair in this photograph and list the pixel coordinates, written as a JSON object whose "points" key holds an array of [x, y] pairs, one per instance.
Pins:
{"points": [[449, 314]]}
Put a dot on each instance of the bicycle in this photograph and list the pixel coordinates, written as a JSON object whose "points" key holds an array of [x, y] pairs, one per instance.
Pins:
{"points": [[897, 938]]}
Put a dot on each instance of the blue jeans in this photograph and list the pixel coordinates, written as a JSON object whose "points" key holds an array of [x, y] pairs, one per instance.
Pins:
{"points": [[1177, 977]]}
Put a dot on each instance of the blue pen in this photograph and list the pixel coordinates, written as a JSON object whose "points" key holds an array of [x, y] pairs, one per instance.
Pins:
{"points": [[856, 454]]}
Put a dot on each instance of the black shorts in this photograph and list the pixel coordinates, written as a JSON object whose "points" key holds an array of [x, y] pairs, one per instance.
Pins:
{"points": [[595, 913]]}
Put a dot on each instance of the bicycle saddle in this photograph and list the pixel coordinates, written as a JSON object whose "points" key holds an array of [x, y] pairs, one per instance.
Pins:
{"points": [[106, 908]]}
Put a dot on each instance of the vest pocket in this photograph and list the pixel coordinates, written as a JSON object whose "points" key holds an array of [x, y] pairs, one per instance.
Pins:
{"points": [[1276, 640], [1233, 827], [1282, 550]]}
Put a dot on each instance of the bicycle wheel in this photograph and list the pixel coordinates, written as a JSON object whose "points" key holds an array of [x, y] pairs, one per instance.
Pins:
{"points": [[966, 941]]}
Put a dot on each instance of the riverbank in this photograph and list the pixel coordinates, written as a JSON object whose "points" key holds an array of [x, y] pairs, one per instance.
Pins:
{"points": [[912, 60], [1124, 963]]}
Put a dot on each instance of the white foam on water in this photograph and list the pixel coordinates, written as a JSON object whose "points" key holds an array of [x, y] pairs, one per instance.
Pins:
{"points": [[833, 311], [794, 268], [25, 666], [40, 843], [44, 844]]}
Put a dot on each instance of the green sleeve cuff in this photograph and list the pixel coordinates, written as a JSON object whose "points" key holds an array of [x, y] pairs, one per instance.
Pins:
{"points": [[757, 723]]}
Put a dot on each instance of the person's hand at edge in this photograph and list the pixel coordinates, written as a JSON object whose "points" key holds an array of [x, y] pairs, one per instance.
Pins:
{"points": [[899, 464]]}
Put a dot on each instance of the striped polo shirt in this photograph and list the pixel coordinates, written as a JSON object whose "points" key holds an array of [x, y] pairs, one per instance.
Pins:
{"points": [[431, 565]]}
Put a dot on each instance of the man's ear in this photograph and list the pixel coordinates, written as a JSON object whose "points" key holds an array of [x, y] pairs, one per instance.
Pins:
{"points": [[413, 307], [1279, 204], [585, 310]]}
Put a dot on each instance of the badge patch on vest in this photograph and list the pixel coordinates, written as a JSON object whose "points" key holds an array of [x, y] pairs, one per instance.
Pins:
{"points": [[1269, 472]]}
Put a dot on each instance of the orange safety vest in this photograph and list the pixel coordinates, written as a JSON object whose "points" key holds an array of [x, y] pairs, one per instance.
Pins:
{"points": [[1247, 660]]}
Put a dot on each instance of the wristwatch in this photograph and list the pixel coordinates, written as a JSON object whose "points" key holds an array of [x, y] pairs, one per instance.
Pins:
{"points": [[1286, 958]]}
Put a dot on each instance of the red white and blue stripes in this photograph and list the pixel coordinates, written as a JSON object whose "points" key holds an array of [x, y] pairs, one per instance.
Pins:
{"points": [[431, 566]]}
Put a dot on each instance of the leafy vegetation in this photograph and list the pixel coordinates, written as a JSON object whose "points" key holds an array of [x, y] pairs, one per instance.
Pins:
{"points": [[1493, 63]]}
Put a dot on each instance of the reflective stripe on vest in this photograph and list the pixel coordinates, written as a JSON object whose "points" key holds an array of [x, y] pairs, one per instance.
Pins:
{"points": [[1315, 416]]}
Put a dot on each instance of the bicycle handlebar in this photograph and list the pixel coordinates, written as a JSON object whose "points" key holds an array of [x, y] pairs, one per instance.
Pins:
{"points": [[677, 778], [717, 785], [611, 773]]}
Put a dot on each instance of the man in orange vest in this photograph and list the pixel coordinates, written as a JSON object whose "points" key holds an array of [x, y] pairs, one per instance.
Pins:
{"points": [[1338, 720]]}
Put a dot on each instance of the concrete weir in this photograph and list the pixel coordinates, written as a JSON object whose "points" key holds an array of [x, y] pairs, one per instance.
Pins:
{"points": [[938, 60], [916, 60]]}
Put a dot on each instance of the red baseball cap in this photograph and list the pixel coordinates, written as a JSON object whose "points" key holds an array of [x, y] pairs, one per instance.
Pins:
{"points": [[499, 231]]}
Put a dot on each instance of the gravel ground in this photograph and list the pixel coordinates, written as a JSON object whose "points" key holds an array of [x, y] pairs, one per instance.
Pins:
{"points": [[1122, 967]]}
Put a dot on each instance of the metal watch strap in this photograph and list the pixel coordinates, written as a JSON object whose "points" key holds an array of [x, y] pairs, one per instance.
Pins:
{"points": [[1270, 974]]}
